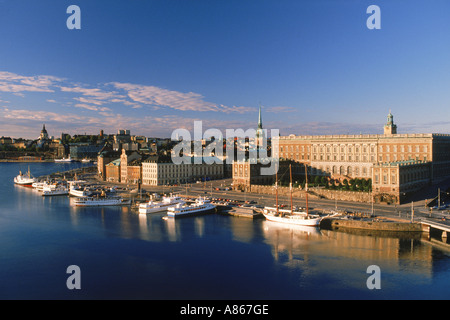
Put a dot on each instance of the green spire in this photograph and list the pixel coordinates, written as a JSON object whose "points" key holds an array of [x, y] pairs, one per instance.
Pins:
{"points": [[259, 118]]}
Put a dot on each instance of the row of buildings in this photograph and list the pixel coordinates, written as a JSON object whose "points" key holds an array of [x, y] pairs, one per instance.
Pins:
{"points": [[132, 167], [397, 164]]}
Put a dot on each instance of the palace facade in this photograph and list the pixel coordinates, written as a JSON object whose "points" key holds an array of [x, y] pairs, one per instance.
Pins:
{"points": [[398, 164]]}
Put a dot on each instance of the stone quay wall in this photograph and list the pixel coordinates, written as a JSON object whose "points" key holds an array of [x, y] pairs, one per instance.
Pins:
{"points": [[315, 193]]}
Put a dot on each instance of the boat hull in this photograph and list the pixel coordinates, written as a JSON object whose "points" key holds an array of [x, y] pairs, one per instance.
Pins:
{"points": [[301, 221], [47, 193], [100, 203], [24, 184], [158, 209], [192, 213], [79, 193], [151, 210]]}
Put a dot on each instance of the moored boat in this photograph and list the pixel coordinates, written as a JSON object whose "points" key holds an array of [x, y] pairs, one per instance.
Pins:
{"points": [[286, 216], [64, 160], [100, 201], [56, 191], [201, 206], [38, 185], [79, 191], [303, 218], [24, 179], [160, 206]]}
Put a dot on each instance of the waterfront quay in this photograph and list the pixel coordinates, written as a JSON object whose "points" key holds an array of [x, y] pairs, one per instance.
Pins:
{"points": [[407, 216]]}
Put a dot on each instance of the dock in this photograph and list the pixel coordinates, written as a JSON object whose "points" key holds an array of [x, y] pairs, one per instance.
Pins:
{"points": [[245, 212], [429, 226], [374, 224]]}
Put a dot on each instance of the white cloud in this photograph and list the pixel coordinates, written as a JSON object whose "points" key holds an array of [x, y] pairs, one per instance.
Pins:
{"points": [[86, 106], [93, 92], [91, 107], [92, 101], [14, 83], [101, 99], [152, 95], [279, 109], [190, 101]]}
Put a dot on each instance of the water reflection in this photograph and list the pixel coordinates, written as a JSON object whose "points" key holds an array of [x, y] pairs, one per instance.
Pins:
{"points": [[347, 254], [290, 259]]}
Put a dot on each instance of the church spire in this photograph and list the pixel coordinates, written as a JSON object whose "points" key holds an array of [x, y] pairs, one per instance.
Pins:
{"points": [[259, 118]]}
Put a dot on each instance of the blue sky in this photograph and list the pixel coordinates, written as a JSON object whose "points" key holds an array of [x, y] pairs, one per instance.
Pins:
{"points": [[155, 66]]}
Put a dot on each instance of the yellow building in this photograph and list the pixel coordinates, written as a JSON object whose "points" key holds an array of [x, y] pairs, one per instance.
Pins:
{"points": [[361, 156]]}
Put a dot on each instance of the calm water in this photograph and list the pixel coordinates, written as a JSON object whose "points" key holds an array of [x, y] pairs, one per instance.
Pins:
{"points": [[123, 255]]}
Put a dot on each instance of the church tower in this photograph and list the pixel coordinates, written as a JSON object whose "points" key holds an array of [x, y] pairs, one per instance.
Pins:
{"points": [[44, 134], [390, 128], [260, 131]]}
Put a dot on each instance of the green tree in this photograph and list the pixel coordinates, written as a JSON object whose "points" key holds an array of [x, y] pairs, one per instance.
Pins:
{"points": [[316, 180]]}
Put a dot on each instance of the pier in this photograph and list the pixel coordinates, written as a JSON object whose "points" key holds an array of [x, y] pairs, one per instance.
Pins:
{"points": [[429, 225]]}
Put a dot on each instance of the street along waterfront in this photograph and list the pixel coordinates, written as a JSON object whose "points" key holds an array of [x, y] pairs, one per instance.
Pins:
{"points": [[124, 255]]}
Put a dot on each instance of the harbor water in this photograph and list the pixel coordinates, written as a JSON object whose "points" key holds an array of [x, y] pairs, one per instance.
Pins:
{"points": [[124, 255]]}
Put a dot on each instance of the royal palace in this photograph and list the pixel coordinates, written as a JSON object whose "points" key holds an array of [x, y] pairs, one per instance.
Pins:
{"points": [[397, 164]]}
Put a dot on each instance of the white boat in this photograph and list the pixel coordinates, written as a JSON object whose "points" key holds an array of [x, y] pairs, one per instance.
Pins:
{"points": [[38, 185], [295, 217], [24, 179], [64, 160], [201, 206], [79, 191], [160, 206], [85, 160], [56, 191], [290, 216], [99, 201]]}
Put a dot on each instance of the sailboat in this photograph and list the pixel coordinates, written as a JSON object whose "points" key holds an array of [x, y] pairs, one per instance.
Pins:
{"points": [[290, 216]]}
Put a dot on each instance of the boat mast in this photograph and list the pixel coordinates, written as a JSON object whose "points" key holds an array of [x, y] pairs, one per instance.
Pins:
{"points": [[290, 185], [276, 190], [306, 189]]}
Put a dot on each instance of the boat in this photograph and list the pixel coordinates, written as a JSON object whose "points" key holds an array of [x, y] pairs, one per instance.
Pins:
{"points": [[64, 160], [294, 217], [160, 206], [38, 185], [56, 191], [85, 160], [201, 206], [79, 191], [24, 179], [303, 218], [100, 201]]}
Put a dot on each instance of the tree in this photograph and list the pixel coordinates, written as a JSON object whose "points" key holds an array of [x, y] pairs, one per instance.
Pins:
{"points": [[316, 180]]}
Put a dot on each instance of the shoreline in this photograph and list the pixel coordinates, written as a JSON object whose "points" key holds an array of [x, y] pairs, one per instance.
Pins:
{"points": [[26, 160], [382, 223]]}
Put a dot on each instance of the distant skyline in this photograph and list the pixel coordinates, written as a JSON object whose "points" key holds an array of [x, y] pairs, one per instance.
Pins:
{"points": [[155, 66]]}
